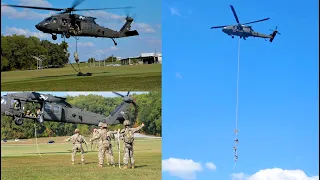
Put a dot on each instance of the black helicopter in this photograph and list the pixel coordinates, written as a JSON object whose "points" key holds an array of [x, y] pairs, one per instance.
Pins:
{"points": [[245, 31], [54, 108], [68, 24]]}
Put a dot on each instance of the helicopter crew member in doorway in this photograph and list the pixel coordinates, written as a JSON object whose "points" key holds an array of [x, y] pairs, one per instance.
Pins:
{"points": [[78, 140], [39, 115]]}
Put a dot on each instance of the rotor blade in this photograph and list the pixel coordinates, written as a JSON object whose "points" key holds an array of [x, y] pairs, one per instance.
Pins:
{"points": [[76, 3], [256, 21], [129, 7], [118, 94], [34, 7], [218, 27], [235, 14]]}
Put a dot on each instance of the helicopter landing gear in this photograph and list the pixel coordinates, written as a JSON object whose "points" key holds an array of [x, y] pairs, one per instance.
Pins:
{"points": [[54, 37], [114, 41], [18, 121], [244, 38]]}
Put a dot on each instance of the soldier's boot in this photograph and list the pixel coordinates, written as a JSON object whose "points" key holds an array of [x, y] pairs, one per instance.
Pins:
{"points": [[72, 162], [83, 162], [113, 165], [100, 165], [125, 167], [108, 164], [132, 166]]}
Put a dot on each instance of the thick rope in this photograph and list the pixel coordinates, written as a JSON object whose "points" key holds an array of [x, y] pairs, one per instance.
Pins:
{"points": [[237, 103], [35, 134]]}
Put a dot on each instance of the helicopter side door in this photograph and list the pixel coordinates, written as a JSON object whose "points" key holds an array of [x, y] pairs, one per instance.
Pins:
{"points": [[52, 112]]}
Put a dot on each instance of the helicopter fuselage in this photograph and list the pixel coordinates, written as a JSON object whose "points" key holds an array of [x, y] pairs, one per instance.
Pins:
{"points": [[243, 31]]}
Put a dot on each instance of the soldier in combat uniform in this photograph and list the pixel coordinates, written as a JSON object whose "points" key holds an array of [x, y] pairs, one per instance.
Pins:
{"points": [[77, 141], [109, 152], [104, 142], [128, 137]]}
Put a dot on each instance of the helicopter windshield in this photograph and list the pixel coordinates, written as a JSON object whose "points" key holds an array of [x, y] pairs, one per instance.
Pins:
{"points": [[47, 19]]}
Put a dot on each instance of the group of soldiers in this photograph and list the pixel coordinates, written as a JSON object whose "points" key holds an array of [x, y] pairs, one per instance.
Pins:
{"points": [[104, 137]]}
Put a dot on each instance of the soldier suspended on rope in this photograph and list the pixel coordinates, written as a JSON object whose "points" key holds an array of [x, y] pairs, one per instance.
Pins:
{"points": [[235, 158], [76, 57], [236, 140], [235, 149]]}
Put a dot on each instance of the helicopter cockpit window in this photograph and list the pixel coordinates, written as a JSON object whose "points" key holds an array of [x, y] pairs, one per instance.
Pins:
{"points": [[56, 109], [54, 20], [47, 108], [48, 19], [3, 101]]}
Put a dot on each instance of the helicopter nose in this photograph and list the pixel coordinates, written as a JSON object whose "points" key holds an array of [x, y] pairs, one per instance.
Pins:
{"points": [[39, 26], [224, 30]]}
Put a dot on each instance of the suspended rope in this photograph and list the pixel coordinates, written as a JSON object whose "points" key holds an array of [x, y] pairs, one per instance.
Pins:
{"points": [[35, 134], [237, 103]]}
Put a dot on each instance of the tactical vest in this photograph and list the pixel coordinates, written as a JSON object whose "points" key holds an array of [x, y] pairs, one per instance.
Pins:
{"points": [[77, 140], [104, 138], [128, 136]]}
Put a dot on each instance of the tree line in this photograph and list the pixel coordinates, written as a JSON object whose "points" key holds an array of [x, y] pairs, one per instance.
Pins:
{"points": [[17, 52], [149, 113]]}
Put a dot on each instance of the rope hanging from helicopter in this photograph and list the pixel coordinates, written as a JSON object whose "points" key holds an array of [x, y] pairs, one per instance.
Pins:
{"points": [[35, 134], [237, 102], [77, 38]]}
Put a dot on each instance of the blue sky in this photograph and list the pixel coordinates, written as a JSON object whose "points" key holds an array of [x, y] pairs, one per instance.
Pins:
{"points": [[278, 90], [147, 17], [64, 94]]}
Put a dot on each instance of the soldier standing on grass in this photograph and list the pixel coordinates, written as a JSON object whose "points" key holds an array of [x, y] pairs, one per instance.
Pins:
{"points": [[128, 137], [77, 141]]}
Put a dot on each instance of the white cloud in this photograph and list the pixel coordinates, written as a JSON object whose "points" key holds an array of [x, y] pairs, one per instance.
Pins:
{"points": [[275, 174], [41, 3], [25, 32], [174, 11], [101, 53], [150, 40], [87, 44], [183, 168], [178, 75], [211, 166], [14, 13], [143, 27]]}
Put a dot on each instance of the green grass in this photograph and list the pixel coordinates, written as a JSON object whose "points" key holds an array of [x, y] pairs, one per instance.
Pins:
{"points": [[20, 160], [104, 78]]}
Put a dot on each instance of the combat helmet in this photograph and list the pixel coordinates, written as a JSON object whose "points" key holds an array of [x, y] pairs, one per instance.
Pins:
{"points": [[104, 125], [76, 131], [126, 123], [100, 124]]}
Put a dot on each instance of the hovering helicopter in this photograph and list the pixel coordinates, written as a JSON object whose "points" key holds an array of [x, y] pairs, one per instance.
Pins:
{"points": [[68, 24], [56, 109], [245, 31]]}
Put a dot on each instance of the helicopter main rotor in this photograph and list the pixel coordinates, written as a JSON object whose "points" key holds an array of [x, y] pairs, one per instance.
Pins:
{"points": [[237, 20], [65, 10]]}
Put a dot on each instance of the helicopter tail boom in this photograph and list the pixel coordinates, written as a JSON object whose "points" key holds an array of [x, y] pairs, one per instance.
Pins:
{"points": [[125, 30]]}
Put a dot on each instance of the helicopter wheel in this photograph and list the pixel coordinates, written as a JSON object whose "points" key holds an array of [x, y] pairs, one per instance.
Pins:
{"points": [[232, 36], [54, 37], [67, 35], [18, 121]]}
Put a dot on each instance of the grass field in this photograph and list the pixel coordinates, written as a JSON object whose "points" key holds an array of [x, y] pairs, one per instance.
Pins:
{"points": [[104, 78], [20, 160]]}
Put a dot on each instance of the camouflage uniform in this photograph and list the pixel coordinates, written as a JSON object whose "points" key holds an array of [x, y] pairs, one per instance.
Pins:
{"points": [[104, 142], [77, 140], [76, 57], [109, 152], [128, 137]]}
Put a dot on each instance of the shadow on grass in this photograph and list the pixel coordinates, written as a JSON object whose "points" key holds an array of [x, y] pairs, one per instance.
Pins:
{"points": [[69, 75]]}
